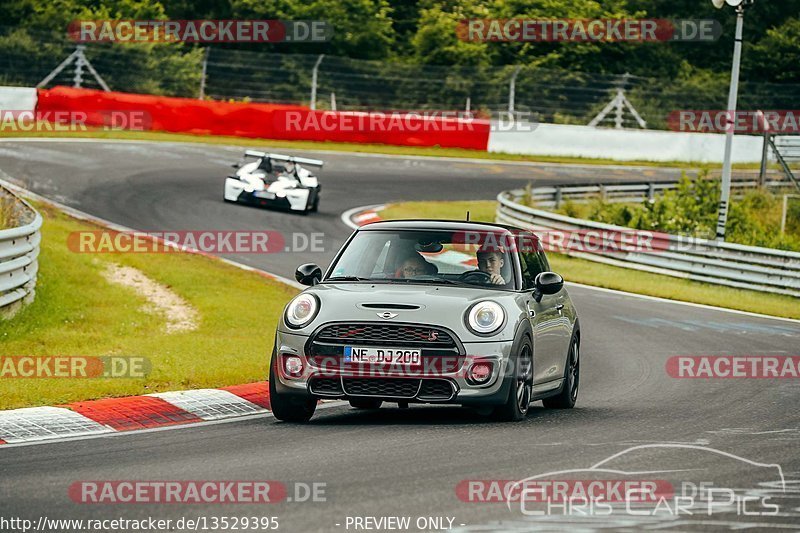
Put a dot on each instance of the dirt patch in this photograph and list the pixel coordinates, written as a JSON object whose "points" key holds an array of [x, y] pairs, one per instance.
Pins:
{"points": [[178, 313]]}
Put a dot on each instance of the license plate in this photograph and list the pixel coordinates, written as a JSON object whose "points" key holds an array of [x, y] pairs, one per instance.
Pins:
{"points": [[394, 356], [264, 194]]}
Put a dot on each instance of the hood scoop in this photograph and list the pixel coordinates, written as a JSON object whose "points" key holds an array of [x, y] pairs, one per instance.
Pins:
{"points": [[405, 307]]}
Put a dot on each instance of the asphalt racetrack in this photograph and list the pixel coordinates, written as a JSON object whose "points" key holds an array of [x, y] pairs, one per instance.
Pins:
{"points": [[632, 420]]}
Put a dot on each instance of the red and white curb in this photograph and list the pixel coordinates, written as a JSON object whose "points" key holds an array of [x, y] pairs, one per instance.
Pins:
{"points": [[111, 415]]}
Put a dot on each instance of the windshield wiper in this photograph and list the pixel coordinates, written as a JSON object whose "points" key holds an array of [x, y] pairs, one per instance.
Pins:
{"points": [[347, 278], [427, 280]]}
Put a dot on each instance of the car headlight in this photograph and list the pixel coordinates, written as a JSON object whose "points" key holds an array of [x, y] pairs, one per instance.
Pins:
{"points": [[301, 310], [485, 318]]}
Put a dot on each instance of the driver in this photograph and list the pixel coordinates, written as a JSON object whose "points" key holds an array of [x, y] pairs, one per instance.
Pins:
{"points": [[491, 261], [412, 266]]}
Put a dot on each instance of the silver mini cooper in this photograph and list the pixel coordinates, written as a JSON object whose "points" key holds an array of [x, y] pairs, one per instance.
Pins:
{"points": [[428, 311]]}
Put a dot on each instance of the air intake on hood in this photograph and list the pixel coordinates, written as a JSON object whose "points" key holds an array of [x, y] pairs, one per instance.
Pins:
{"points": [[390, 306]]}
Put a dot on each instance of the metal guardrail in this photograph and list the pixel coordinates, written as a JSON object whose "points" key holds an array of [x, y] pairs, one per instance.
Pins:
{"points": [[554, 196], [720, 263], [19, 252]]}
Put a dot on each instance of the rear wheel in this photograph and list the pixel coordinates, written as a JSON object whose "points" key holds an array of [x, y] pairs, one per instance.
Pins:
{"points": [[288, 407], [572, 377], [521, 390], [365, 403]]}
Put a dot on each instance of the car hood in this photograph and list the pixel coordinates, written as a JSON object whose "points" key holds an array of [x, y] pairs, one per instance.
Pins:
{"points": [[421, 304]]}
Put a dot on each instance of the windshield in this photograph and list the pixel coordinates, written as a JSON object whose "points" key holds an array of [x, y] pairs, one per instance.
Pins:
{"points": [[430, 257]]}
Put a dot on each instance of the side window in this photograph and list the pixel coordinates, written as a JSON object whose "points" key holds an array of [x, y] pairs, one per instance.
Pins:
{"points": [[543, 260], [531, 267]]}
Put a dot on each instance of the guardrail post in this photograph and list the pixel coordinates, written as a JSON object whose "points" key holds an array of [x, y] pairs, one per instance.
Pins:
{"points": [[651, 191], [558, 197], [512, 90], [762, 176], [314, 82], [204, 66]]}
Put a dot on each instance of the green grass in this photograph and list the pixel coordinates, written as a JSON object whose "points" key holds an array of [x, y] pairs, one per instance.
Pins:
{"points": [[8, 217], [77, 313], [611, 277], [359, 148]]}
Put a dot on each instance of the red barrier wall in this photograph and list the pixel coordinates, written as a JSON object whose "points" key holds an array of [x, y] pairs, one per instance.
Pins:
{"points": [[268, 121]]}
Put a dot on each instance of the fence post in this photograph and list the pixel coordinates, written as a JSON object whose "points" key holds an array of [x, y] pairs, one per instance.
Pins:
{"points": [[78, 78], [512, 90], [762, 176], [314, 82], [206, 53]]}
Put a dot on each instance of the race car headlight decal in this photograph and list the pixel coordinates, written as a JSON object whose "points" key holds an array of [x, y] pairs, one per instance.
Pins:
{"points": [[485, 318], [301, 310]]}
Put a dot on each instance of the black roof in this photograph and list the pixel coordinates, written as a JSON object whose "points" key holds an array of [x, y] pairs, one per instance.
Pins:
{"points": [[447, 225]]}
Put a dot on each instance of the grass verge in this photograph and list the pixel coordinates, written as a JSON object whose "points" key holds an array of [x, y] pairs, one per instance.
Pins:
{"points": [[359, 148], [76, 312], [8, 211], [611, 277]]}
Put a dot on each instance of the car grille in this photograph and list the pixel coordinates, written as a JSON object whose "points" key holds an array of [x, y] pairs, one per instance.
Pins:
{"points": [[326, 386], [386, 334], [441, 351], [435, 389], [393, 387], [410, 389]]}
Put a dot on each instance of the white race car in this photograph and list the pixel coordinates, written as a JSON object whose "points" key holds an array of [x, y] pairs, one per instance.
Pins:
{"points": [[274, 180]]}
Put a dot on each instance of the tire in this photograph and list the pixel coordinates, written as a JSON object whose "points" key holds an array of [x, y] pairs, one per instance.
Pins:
{"points": [[521, 389], [365, 403], [568, 396], [285, 407]]}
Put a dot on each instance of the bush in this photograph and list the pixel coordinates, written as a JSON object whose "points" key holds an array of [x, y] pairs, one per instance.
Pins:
{"points": [[691, 209]]}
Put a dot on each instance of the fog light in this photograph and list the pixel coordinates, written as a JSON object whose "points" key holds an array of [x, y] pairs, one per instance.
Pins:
{"points": [[479, 373], [293, 365]]}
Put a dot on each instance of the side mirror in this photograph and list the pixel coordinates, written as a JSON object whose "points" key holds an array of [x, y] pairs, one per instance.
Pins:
{"points": [[308, 274], [547, 283]]}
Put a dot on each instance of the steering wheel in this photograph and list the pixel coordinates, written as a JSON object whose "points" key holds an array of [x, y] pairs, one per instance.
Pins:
{"points": [[478, 276]]}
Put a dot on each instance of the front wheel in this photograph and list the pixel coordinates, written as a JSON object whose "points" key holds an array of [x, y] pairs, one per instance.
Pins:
{"points": [[572, 377], [521, 390], [286, 407]]}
